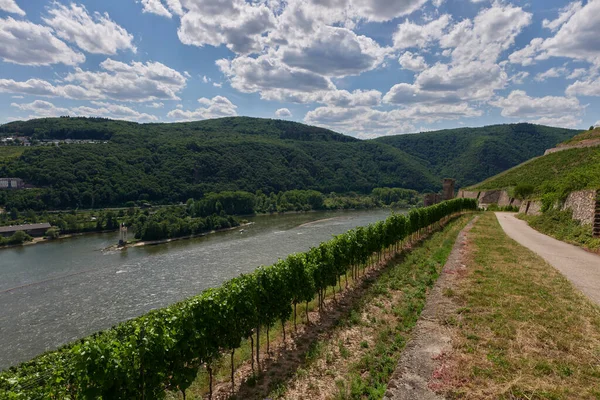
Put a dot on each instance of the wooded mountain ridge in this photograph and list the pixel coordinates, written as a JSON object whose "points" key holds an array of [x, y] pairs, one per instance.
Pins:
{"points": [[172, 162]]}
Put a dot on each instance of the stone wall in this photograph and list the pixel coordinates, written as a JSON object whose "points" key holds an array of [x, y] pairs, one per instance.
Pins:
{"points": [[531, 207], [431, 198], [465, 194], [499, 197], [489, 197], [583, 204]]}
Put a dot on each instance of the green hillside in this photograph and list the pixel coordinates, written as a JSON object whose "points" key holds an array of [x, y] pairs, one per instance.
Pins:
{"points": [[169, 163], [592, 134], [559, 173], [471, 155], [104, 129], [173, 162]]}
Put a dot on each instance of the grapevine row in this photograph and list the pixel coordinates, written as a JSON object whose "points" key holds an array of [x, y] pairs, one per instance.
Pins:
{"points": [[163, 350]]}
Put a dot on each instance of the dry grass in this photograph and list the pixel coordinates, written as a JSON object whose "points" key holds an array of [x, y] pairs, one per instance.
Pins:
{"points": [[524, 331]]}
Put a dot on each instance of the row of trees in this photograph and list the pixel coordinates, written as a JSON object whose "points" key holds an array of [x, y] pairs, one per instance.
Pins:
{"points": [[173, 222], [18, 237], [238, 202], [164, 349], [210, 212]]}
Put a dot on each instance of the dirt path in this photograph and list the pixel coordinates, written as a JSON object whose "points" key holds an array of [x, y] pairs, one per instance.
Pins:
{"points": [[422, 362], [577, 265]]}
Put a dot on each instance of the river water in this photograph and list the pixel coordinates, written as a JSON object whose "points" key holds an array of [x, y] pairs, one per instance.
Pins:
{"points": [[54, 293]]}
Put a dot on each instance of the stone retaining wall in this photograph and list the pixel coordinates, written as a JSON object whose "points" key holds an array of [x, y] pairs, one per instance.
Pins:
{"points": [[531, 207], [499, 197], [583, 205], [465, 194]]}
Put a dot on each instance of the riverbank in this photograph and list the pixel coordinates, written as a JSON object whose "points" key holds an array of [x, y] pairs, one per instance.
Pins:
{"points": [[41, 240], [164, 241], [77, 289]]}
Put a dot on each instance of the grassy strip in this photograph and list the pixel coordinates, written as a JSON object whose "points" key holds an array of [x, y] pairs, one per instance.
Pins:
{"points": [[358, 359], [560, 225], [524, 331]]}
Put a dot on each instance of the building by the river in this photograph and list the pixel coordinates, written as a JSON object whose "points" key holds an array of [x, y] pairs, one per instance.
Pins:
{"points": [[30, 229]]}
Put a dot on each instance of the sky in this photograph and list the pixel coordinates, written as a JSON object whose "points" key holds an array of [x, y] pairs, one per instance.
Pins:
{"points": [[365, 68]]}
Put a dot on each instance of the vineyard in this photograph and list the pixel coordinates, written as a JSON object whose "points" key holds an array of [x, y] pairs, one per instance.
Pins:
{"points": [[164, 350]]}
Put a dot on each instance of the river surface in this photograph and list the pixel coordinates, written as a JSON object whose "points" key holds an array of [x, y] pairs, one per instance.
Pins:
{"points": [[57, 292]]}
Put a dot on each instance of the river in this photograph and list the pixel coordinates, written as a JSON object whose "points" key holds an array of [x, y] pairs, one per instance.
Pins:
{"points": [[57, 292]]}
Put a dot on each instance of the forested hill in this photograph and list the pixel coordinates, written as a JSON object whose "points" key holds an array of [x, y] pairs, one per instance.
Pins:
{"points": [[167, 163], [103, 129], [471, 155]]}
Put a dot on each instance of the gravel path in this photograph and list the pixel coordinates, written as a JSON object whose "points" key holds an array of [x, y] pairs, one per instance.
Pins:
{"points": [[579, 266], [421, 364]]}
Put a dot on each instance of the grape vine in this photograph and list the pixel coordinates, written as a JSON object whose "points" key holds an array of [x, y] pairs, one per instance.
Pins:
{"points": [[163, 350]]}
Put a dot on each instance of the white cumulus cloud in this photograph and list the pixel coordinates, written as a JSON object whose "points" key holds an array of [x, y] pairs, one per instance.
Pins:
{"points": [[26, 43], [41, 108], [334, 51], [565, 14], [11, 7], [283, 113], [553, 110], [409, 34], [264, 73], [218, 106], [412, 62], [237, 24], [577, 37], [136, 81], [97, 34], [554, 72], [155, 7], [589, 87]]}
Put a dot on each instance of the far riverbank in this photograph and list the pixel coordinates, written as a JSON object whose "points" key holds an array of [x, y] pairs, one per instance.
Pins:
{"points": [[164, 241]]}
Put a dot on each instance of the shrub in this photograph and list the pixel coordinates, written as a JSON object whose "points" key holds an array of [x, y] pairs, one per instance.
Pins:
{"points": [[53, 233], [523, 190], [18, 237]]}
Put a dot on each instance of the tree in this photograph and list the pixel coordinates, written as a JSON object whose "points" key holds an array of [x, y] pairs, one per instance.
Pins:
{"points": [[53, 233], [152, 231], [19, 237]]}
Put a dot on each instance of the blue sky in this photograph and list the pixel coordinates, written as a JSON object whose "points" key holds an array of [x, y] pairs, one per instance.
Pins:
{"points": [[361, 67]]}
